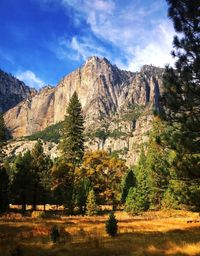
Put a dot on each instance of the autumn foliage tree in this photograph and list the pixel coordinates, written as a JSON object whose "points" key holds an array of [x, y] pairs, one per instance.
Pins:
{"points": [[105, 174]]}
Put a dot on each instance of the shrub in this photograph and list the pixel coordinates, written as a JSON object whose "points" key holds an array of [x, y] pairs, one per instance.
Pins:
{"points": [[111, 225], [55, 234]]}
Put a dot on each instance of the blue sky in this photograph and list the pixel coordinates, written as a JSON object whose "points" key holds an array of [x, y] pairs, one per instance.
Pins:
{"points": [[43, 40]]}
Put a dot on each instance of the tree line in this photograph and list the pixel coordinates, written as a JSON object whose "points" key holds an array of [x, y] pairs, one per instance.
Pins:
{"points": [[75, 179], [167, 174]]}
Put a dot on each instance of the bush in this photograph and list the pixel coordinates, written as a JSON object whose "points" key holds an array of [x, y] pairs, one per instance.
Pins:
{"points": [[111, 225], [55, 234]]}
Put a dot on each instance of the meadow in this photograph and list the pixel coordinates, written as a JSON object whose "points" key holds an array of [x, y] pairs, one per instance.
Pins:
{"points": [[153, 233]]}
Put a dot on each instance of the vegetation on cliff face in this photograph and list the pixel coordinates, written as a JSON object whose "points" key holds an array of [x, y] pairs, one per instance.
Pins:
{"points": [[52, 133]]}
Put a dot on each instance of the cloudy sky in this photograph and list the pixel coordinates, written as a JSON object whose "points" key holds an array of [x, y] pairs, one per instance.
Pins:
{"points": [[43, 40]]}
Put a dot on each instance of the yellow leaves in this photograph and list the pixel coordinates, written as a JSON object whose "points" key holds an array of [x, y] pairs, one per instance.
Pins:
{"points": [[103, 171]]}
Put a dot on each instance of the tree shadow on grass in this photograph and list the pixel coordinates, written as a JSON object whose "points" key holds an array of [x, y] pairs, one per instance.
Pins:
{"points": [[124, 244]]}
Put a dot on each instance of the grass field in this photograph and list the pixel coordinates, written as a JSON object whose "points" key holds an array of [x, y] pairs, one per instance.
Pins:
{"points": [[154, 233]]}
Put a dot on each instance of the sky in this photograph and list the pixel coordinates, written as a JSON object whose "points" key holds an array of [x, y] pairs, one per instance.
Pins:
{"points": [[43, 40]]}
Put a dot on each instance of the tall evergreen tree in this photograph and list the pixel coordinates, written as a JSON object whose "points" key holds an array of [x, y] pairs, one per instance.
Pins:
{"points": [[157, 164], [38, 169], [72, 143], [22, 181], [182, 88], [181, 102], [4, 178], [138, 199], [46, 180], [4, 190]]}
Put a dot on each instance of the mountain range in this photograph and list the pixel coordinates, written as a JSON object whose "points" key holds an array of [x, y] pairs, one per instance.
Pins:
{"points": [[117, 104]]}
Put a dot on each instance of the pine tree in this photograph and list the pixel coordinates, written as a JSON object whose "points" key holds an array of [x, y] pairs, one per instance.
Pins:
{"points": [[182, 86], [37, 171], [127, 182], [72, 143], [157, 164], [91, 206], [22, 181], [181, 101], [181, 98], [111, 225], [4, 190], [46, 180], [137, 199], [4, 178]]}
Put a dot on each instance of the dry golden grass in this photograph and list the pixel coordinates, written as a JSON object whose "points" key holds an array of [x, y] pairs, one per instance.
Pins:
{"points": [[154, 233]]}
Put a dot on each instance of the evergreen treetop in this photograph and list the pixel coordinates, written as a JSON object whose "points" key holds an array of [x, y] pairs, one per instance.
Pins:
{"points": [[72, 144], [182, 89], [182, 86]]}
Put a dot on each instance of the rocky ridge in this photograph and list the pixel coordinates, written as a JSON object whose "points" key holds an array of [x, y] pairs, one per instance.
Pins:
{"points": [[12, 91], [103, 90], [108, 96]]}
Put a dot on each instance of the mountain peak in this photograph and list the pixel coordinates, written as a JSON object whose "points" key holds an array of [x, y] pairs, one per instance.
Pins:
{"points": [[97, 59], [103, 89]]}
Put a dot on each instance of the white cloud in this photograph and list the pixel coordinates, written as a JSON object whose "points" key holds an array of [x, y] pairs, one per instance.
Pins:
{"points": [[86, 47], [138, 31], [79, 48], [156, 49], [30, 79]]}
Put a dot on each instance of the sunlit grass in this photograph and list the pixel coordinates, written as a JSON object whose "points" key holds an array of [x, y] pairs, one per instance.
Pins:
{"points": [[154, 233]]}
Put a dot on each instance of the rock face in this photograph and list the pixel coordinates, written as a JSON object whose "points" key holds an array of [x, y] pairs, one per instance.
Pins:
{"points": [[12, 91], [103, 90]]}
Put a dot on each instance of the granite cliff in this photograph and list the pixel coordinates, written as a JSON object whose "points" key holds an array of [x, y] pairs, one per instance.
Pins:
{"points": [[12, 91], [103, 89], [117, 106]]}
